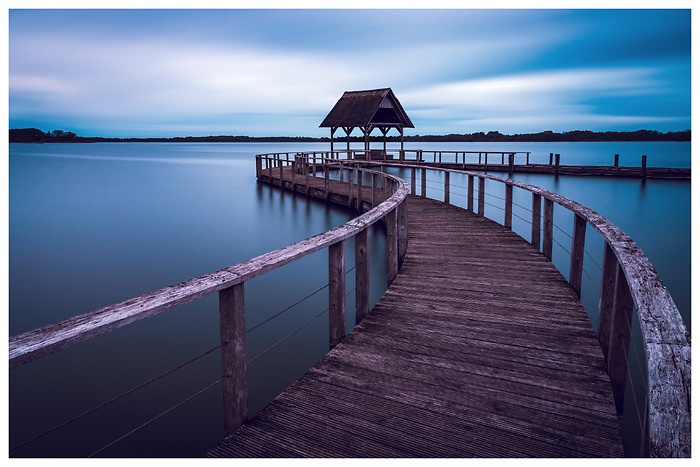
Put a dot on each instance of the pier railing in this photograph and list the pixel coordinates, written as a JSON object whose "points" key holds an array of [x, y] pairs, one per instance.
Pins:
{"points": [[629, 287], [388, 206], [498, 161]]}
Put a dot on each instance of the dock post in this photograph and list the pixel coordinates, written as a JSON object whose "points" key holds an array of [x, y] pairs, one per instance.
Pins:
{"points": [[482, 193], [350, 178], [413, 181], [617, 160], [423, 182], [392, 253], [614, 323], [362, 272], [511, 163], [307, 169], [550, 158], [446, 197], [336, 293], [557, 159], [644, 167], [508, 218], [233, 356], [360, 176], [402, 221], [548, 228], [536, 220], [578, 241], [470, 193]]}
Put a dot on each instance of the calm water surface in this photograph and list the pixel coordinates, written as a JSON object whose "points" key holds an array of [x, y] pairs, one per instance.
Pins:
{"points": [[95, 224]]}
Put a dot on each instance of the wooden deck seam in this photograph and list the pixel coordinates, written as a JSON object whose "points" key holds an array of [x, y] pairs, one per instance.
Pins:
{"points": [[479, 348]]}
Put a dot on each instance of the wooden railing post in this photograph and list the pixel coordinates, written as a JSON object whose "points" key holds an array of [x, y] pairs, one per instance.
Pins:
{"points": [[351, 177], [548, 228], [281, 167], [614, 324], [233, 356], [536, 220], [336, 293], [470, 192], [403, 231], [293, 167], [258, 167], [374, 184], [360, 177], [508, 208], [511, 162], [362, 278], [423, 182], [578, 242], [413, 181], [392, 251], [447, 187], [482, 194], [326, 175]]}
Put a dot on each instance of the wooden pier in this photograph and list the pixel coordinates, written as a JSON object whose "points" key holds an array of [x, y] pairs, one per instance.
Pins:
{"points": [[479, 348]]}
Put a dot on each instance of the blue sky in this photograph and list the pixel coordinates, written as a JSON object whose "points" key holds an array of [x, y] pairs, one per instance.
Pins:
{"points": [[272, 72]]}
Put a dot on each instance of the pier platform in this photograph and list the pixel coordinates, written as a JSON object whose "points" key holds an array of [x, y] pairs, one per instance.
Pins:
{"points": [[479, 348]]}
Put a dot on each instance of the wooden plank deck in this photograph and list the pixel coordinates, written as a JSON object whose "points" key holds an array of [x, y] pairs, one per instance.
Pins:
{"points": [[479, 348]]}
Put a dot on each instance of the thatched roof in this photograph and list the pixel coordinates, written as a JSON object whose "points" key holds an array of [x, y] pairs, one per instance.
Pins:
{"points": [[373, 107]]}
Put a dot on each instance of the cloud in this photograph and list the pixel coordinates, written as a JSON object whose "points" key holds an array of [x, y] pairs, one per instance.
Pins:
{"points": [[537, 100], [165, 71]]}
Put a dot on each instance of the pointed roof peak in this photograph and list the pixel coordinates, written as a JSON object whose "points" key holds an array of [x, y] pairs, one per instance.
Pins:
{"points": [[369, 107]]}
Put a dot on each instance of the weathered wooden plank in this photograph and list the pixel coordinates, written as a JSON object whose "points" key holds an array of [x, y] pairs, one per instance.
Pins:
{"points": [[462, 357]]}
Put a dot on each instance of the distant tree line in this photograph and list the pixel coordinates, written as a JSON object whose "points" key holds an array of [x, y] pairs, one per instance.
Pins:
{"points": [[34, 135], [568, 136]]}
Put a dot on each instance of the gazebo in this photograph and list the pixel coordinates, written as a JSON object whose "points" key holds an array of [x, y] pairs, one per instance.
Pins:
{"points": [[367, 110]]}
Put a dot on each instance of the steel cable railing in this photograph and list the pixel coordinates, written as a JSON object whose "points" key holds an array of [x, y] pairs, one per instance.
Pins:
{"points": [[664, 420], [35, 344], [113, 399], [153, 419]]}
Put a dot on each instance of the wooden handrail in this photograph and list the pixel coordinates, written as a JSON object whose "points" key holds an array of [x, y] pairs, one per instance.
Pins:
{"points": [[37, 343], [229, 283], [629, 281]]}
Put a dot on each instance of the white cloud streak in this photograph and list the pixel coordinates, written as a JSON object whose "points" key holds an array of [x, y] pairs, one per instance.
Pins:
{"points": [[172, 83]]}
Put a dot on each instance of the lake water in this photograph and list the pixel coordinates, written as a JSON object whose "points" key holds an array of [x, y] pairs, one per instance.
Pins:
{"points": [[95, 224]]}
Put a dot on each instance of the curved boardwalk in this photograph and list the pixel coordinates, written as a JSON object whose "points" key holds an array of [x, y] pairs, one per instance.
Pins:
{"points": [[479, 348]]}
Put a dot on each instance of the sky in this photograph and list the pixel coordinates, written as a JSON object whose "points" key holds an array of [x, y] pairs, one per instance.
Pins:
{"points": [[273, 72]]}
